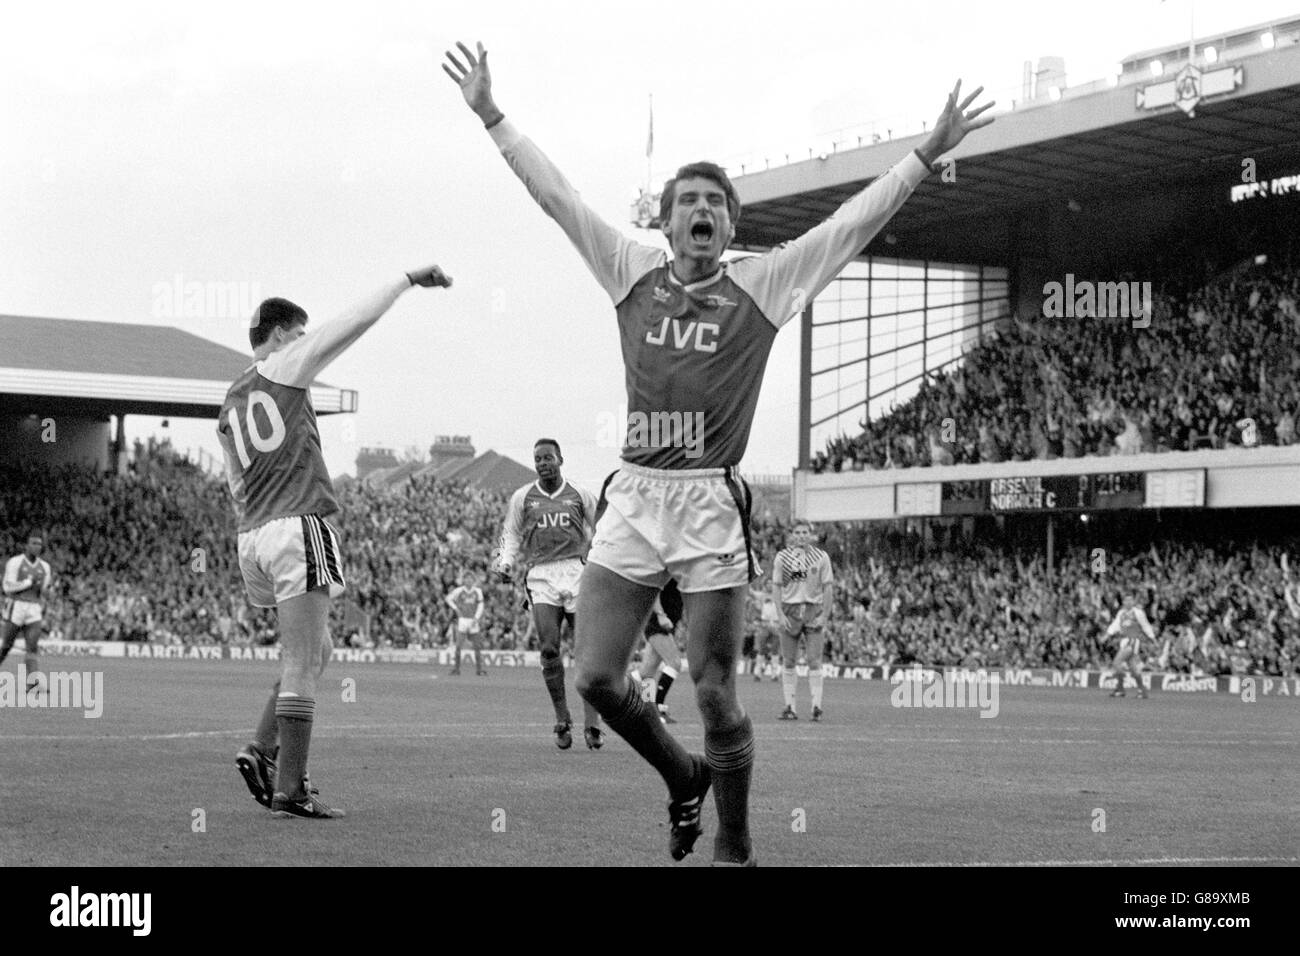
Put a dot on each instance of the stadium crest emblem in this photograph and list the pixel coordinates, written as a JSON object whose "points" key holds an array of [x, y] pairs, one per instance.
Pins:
{"points": [[1189, 87]]}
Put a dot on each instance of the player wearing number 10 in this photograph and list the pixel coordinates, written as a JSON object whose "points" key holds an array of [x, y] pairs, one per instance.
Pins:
{"points": [[289, 554]]}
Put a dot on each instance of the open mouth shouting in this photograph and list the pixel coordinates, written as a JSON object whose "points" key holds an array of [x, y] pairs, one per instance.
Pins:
{"points": [[701, 234]]}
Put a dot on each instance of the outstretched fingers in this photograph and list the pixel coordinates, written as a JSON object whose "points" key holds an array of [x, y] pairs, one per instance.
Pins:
{"points": [[473, 68], [970, 99], [460, 73]]}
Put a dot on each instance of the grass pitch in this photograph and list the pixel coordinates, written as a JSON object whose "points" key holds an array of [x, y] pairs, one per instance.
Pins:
{"points": [[436, 770]]}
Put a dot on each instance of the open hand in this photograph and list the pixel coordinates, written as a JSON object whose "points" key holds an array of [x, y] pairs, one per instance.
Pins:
{"points": [[474, 79], [954, 123]]}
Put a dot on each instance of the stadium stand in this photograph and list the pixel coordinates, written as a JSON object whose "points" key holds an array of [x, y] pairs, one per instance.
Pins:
{"points": [[1066, 388], [124, 548]]}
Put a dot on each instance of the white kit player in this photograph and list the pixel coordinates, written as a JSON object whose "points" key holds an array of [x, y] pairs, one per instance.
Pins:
{"points": [[466, 599], [289, 553], [803, 591], [1131, 625], [547, 529], [26, 582]]}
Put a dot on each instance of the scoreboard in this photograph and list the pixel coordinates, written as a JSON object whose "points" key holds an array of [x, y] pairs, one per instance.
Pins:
{"points": [[1051, 493]]}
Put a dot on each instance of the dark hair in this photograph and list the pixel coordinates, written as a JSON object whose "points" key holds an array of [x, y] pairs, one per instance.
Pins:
{"points": [[802, 523], [274, 314], [34, 534], [701, 170], [549, 441]]}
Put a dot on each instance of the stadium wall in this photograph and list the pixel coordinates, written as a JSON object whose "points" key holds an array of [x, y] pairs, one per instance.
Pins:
{"points": [[61, 440], [1247, 686], [1233, 478]]}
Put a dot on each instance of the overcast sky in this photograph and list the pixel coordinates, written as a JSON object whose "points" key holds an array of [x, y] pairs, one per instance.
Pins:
{"points": [[313, 151]]}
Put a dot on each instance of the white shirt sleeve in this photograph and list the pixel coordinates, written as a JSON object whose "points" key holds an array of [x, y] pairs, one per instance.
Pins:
{"points": [[784, 281], [589, 504], [512, 529], [615, 260], [1143, 623], [300, 362], [11, 585]]}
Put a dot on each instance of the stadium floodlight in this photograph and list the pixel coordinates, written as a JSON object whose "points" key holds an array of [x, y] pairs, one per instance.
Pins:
{"points": [[1267, 40], [1157, 68], [1211, 54]]}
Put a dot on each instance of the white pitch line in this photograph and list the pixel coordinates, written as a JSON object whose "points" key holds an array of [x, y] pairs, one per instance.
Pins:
{"points": [[511, 731], [194, 734]]}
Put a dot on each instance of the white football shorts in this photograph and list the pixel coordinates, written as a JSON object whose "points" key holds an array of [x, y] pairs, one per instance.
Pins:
{"points": [[287, 557]]}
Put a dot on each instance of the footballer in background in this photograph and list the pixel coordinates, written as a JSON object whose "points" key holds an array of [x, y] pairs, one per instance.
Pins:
{"points": [[763, 642], [466, 599], [1131, 625], [661, 661], [26, 582], [547, 529], [804, 593]]}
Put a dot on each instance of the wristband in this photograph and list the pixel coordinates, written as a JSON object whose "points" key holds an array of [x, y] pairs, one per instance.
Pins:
{"points": [[499, 118]]}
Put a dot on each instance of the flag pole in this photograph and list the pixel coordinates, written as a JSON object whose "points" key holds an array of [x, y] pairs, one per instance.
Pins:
{"points": [[650, 143]]}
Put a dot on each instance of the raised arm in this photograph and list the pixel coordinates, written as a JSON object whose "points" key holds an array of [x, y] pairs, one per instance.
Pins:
{"points": [[784, 281], [616, 261], [301, 361]]}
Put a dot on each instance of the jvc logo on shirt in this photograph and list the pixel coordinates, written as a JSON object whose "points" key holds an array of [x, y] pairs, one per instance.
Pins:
{"points": [[700, 336], [74, 909], [554, 519]]}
